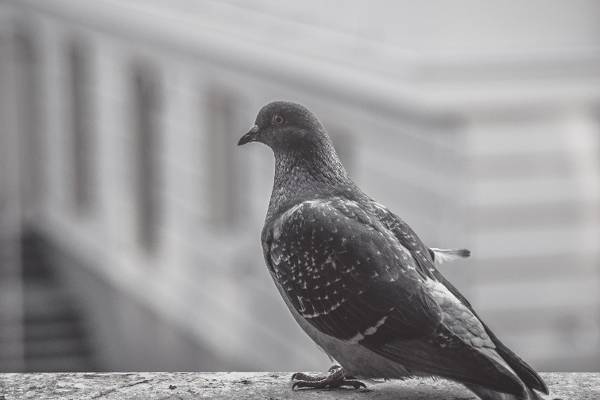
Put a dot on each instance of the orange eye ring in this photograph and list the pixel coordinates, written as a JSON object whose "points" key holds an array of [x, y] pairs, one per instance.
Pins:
{"points": [[278, 119]]}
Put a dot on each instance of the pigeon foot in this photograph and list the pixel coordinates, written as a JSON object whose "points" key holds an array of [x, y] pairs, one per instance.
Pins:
{"points": [[336, 379]]}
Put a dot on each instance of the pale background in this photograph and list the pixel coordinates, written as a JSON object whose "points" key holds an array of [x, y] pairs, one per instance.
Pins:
{"points": [[130, 221]]}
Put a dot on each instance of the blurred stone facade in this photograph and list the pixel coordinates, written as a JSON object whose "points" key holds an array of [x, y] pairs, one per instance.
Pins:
{"points": [[477, 123]]}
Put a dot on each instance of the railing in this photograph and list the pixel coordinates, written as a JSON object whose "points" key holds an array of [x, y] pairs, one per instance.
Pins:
{"points": [[253, 385]]}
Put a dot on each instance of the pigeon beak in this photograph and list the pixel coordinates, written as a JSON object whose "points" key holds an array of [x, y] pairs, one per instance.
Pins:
{"points": [[250, 136]]}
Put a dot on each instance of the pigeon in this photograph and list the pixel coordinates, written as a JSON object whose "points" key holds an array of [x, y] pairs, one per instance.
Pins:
{"points": [[361, 283]]}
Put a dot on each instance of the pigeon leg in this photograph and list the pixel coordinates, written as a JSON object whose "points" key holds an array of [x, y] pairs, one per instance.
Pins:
{"points": [[337, 378]]}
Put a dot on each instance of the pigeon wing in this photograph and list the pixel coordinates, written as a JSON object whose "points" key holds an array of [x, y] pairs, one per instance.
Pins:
{"points": [[408, 238], [341, 271], [350, 277]]}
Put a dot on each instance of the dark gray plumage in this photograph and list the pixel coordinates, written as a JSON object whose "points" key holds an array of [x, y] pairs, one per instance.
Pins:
{"points": [[360, 282]]}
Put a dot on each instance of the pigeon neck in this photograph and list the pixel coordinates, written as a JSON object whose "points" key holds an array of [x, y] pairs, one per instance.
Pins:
{"points": [[301, 175]]}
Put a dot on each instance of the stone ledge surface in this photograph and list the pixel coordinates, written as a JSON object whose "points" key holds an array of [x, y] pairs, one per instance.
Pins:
{"points": [[251, 385]]}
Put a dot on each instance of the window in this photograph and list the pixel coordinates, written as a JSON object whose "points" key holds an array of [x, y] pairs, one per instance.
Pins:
{"points": [[82, 142], [28, 98], [222, 130], [145, 110]]}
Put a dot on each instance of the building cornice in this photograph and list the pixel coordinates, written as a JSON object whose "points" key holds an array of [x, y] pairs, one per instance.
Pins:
{"points": [[368, 74]]}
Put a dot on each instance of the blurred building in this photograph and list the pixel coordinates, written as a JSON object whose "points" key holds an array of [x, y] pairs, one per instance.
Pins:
{"points": [[130, 221]]}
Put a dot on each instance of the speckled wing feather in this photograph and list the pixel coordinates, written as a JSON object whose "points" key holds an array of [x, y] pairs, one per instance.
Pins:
{"points": [[349, 276], [343, 275]]}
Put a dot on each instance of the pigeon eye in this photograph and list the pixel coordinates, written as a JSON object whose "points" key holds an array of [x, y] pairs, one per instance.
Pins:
{"points": [[278, 119]]}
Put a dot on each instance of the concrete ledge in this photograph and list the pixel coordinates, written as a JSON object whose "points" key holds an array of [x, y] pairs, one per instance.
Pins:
{"points": [[251, 385]]}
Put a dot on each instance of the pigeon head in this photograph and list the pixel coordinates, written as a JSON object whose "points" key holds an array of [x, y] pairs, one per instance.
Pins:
{"points": [[305, 161], [285, 126]]}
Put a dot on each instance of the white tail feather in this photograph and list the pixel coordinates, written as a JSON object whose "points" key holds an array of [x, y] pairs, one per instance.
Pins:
{"points": [[441, 256]]}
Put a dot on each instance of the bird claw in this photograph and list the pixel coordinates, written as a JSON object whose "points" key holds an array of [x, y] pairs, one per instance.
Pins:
{"points": [[335, 379], [300, 376]]}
